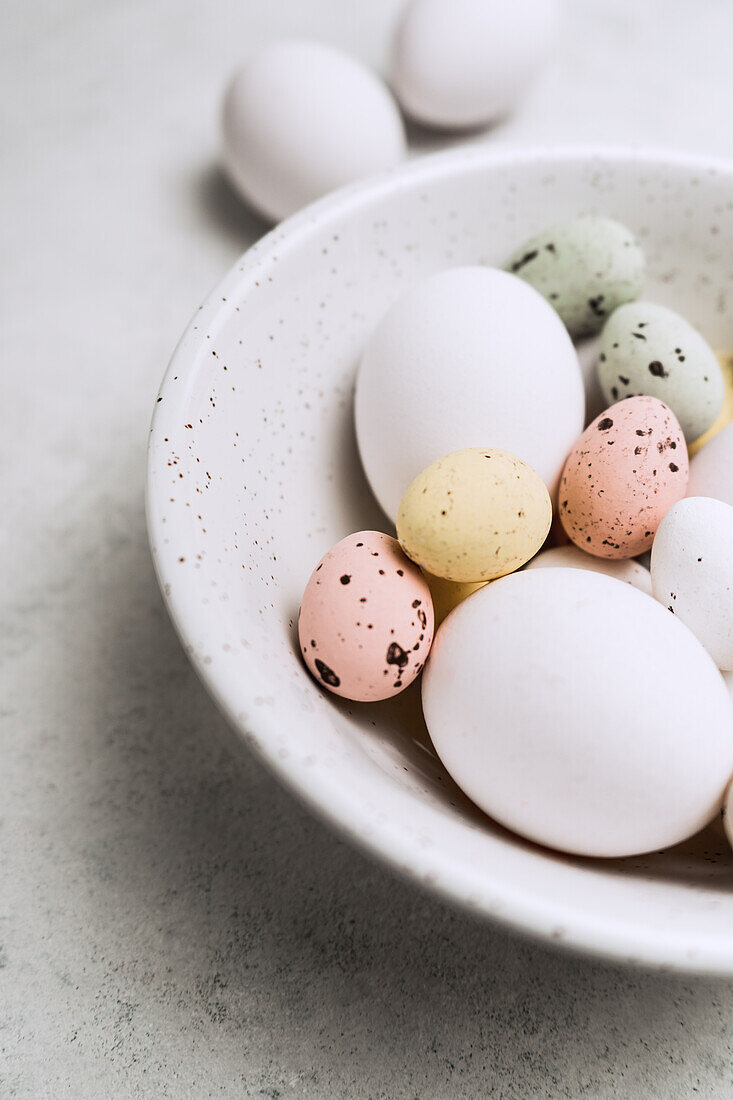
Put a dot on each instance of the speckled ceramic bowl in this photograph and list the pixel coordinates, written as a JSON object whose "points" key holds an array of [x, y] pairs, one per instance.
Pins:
{"points": [[254, 474]]}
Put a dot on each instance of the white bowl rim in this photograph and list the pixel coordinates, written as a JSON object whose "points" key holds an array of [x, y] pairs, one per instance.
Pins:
{"points": [[606, 937]]}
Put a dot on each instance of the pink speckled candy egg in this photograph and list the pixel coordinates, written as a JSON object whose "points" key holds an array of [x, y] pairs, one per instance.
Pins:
{"points": [[366, 620], [628, 467]]}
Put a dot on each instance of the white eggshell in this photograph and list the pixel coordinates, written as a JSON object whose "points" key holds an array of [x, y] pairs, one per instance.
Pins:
{"points": [[570, 557], [301, 118], [711, 469], [595, 402], [470, 357], [460, 63], [692, 571], [574, 710]]}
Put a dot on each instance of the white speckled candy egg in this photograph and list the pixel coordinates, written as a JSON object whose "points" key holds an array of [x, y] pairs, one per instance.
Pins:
{"points": [[366, 619], [302, 118], [649, 349], [711, 469], [576, 711], [467, 357], [570, 557], [461, 63], [585, 268], [474, 515], [692, 571]]}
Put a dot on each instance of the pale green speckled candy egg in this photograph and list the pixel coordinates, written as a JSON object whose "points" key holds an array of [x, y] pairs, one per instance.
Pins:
{"points": [[585, 268], [651, 350]]}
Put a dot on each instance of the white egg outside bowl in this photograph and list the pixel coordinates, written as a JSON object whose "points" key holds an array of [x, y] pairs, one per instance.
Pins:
{"points": [[253, 475]]}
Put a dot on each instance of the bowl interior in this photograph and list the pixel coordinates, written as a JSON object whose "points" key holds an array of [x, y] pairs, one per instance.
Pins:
{"points": [[254, 474]]}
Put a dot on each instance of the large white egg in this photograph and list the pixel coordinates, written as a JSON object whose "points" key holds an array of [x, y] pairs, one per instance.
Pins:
{"points": [[300, 119], [711, 469], [692, 571], [571, 557], [470, 357], [578, 712], [462, 63]]}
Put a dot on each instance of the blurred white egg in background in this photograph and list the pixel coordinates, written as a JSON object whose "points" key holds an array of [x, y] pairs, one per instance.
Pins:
{"points": [[301, 119], [458, 64]]}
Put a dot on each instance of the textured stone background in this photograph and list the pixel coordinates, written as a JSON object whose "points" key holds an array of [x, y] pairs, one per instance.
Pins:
{"points": [[172, 924]]}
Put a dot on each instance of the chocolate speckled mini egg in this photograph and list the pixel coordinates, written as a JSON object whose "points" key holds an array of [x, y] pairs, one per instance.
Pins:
{"points": [[649, 349], [366, 619], [585, 268], [474, 515], [626, 470]]}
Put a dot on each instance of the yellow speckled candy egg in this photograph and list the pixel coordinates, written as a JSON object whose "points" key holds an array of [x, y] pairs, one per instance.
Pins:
{"points": [[474, 515], [448, 594]]}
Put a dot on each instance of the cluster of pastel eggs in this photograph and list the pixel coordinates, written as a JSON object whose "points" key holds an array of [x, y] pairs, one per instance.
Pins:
{"points": [[302, 118], [578, 696]]}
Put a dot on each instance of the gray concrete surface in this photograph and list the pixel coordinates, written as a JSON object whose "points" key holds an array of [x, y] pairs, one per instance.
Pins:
{"points": [[172, 923]]}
